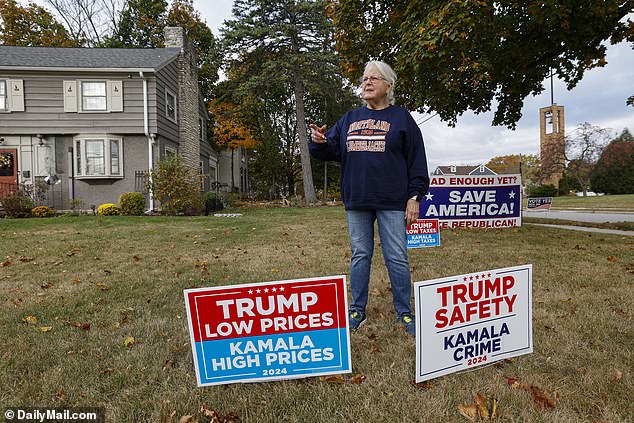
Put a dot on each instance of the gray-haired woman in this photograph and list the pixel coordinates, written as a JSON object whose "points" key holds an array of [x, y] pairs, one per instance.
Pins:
{"points": [[383, 177]]}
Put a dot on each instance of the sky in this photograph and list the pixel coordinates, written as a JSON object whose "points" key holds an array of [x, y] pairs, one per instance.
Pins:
{"points": [[598, 99]]}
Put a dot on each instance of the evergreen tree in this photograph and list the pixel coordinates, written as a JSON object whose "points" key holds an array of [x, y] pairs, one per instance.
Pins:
{"points": [[292, 38]]}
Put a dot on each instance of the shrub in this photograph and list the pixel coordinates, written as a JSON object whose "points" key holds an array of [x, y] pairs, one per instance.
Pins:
{"points": [[213, 202], [542, 191], [132, 203], [43, 211], [17, 205], [176, 186], [108, 209]]}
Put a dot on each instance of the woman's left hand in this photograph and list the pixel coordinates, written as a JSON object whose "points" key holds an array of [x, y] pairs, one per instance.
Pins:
{"points": [[412, 211]]}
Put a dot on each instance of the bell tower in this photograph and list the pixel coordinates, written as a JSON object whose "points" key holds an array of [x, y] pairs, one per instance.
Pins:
{"points": [[552, 144]]}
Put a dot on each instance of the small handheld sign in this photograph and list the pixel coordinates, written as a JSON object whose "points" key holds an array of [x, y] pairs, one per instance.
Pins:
{"points": [[469, 320], [423, 233], [269, 331]]}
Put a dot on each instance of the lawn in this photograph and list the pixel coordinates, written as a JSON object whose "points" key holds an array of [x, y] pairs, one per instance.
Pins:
{"points": [[93, 315]]}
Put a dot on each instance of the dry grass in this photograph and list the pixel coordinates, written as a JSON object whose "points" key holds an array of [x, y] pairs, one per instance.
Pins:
{"points": [[125, 276]]}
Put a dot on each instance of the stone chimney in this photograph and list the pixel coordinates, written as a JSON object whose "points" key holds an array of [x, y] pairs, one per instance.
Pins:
{"points": [[188, 95]]}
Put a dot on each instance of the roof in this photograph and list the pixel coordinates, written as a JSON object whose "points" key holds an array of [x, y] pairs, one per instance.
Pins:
{"points": [[463, 170], [49, 58]]}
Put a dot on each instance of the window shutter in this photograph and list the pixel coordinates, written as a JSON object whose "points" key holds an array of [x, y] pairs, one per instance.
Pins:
{"points": [[115, 96], [15, 94], [70, 96]]}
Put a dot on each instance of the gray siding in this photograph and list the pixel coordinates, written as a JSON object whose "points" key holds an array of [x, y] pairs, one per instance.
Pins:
{"points": [[166, 78], [44, 106]]}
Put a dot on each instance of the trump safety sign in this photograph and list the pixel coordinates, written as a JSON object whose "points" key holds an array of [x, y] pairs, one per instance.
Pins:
{"points": [[490, 201], [469, 320], [269, 331]]}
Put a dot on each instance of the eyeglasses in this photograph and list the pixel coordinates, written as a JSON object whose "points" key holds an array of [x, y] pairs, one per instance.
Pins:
{"points": [[371, 79]]}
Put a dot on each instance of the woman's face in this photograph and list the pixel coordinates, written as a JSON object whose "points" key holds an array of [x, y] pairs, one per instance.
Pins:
{"points": [[375, 88]]}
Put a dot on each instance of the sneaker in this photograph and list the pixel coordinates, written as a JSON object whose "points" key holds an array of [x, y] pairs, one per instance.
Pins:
{"points": [[407, 319], [355, 319]]}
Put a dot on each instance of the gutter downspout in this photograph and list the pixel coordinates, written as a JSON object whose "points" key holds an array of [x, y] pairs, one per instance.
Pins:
{"points": [[150, 139]]}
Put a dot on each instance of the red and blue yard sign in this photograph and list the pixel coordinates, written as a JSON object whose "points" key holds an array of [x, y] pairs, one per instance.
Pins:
{"points": [[269, 331], [423, 233]]}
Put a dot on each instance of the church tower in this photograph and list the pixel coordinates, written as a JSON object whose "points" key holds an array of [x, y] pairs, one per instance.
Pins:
{"points": [[552, 144]]}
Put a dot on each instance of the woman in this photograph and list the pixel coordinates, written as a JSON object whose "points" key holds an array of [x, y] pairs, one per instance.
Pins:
{"points": [[383, 177]]}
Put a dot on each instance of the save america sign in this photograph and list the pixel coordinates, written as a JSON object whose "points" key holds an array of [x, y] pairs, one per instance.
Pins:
{"points": [[469, 320]]}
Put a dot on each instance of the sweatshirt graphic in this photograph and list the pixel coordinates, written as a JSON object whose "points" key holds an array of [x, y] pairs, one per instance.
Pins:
{"points": [[382, 158]]}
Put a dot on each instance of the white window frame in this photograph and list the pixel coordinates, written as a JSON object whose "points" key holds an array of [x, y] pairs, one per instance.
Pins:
{"points": [[80, 157], [82, 96], [5, 95], [169, 93], [201, 128]]}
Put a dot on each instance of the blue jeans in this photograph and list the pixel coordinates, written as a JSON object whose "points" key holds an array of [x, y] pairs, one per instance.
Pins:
{"points": [[392, 228]]}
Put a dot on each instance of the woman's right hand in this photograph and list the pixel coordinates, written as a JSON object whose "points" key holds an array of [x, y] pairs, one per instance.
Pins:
{"points": [[317, 134]]}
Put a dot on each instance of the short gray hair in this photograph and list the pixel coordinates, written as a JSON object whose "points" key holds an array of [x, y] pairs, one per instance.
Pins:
{"points": [[386, 72]]}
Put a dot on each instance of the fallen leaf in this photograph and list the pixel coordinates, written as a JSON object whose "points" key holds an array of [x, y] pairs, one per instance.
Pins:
{"points": [[136, 258], [513, 382], [31, 320], [612, 259], [470, 411], [61, 394], [6, 263], [541, 398], [107, 371], [128, 341], [333, 379], [187, 419], [25, 259], [46, 285], [82, 326], [45, 328], [358, 379], [169, 364]]}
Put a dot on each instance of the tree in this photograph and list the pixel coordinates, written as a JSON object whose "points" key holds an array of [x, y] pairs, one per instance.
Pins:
{"points": [[140, 26], [582, 151], [511, 164], [30, 26], [292, 39], [183, 14], [176, 186], [614, 173], [89, 22], [229, 130], [455, 55]]}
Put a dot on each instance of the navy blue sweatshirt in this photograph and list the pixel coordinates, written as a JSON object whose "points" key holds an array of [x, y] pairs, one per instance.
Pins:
{"points": [[382, 158]]}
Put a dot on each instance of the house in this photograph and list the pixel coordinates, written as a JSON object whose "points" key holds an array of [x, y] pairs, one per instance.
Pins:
{"points": [[452, 170], [83, 126]]}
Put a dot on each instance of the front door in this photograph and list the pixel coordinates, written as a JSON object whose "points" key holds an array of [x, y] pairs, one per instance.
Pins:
{"points": [[8, 171]]}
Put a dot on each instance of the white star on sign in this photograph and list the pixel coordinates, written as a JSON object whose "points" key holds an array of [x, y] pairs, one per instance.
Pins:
{"points": [[274, 289], [266, 290], [258, 290], [282, 288], [250, 291], [512, 194], [429, 196]]}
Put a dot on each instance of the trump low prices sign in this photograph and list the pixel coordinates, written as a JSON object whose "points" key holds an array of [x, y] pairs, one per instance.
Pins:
{"points": [[474, 319], [269, 331], [492, 201]]}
